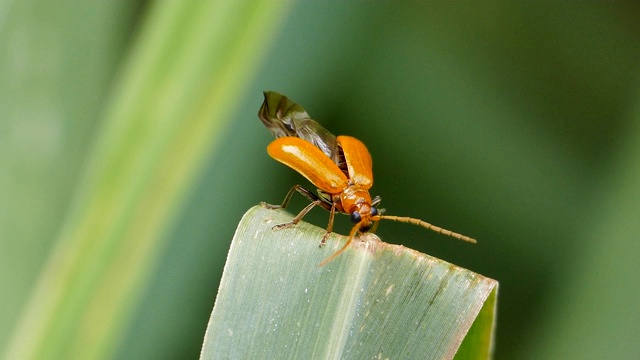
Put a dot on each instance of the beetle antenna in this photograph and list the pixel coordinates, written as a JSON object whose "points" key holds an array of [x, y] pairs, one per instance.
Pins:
{"points": [[426, 225], [353, 232]]}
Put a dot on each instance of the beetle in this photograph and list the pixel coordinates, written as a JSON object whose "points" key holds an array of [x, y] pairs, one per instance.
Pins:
{"points": [[343, 177]]}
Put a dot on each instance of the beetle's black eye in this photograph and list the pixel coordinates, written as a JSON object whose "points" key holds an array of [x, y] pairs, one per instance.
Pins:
{"points": [[355, 217], [373, 211]]}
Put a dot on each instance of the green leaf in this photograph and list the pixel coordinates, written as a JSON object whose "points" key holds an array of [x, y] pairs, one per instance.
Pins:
{"points": [[375, 300]]}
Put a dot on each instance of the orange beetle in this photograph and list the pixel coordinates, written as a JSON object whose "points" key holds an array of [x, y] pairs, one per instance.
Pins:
{"points": [[340, 188]]}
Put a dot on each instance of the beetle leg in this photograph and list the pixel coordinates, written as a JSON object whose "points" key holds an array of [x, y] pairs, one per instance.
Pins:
{"points": [[287, 198], [298, 217], [376, 201], [332, 214], [315, 200], [304, 192]]}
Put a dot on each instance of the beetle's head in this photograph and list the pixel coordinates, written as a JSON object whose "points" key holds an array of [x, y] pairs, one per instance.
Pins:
{"points": [[364, 215]]}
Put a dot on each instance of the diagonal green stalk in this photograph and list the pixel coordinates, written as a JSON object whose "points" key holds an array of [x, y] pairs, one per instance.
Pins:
{"points": [[190, 65]]}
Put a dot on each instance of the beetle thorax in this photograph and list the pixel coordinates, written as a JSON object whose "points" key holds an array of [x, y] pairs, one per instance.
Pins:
{"points": [[355, 198]]}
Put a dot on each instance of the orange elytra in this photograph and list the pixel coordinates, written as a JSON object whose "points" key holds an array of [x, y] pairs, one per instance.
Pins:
{"points": [[343, 180]]}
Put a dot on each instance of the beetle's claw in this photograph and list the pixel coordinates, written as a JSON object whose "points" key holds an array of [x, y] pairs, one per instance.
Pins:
{"points": [[283, 226], [269, 206], [324, 239]]}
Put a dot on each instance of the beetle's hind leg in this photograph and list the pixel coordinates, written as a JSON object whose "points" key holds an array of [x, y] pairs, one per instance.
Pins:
{"points": [[306, 193], [315, 200], [298, 217]]}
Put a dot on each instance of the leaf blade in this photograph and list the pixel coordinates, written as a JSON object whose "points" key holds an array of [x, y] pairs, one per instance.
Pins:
{"points": [[375, 299]]}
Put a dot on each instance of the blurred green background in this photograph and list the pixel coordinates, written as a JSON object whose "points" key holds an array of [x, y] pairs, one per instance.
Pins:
{"points": [[517, 123]]}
